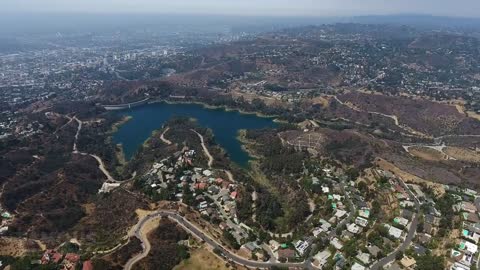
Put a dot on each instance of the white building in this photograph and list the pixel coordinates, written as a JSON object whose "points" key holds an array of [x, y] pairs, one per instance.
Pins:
{"points": [[301, 246], [361, 221], [336, 243], [340, 213], [357, 266], [353, 228], [322, 257], [394, 232]]}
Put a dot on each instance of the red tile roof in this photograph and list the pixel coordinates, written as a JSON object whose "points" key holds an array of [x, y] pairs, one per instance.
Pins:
{"points": [[72, 257], [57, 257], [201, 186], [87, 265]]}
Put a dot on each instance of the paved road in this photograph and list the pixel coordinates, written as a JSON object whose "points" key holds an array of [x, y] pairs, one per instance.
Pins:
{"points": [[194, 230], [350, 216], [408, 240], [477, 203]]}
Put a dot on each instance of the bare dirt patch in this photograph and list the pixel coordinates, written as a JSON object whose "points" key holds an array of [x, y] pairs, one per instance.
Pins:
{"points": [[473, 115], [427, 153], [321, 100], [89, 208], [408, 177], [17, 247], [204, 259], [463, 154]]}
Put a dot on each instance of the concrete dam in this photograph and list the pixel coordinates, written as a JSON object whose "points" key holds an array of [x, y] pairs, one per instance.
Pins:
{"points": [[126, 105]]}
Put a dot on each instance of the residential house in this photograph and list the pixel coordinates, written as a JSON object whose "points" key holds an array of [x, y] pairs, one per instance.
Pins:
{"points": [[213, 190], [474, 227], [394, 232], [301, 247], [467, 207], [428, 229], [50, 256], [373, 250], [336, 243], [274, 245], [468, 247], [472, 236], [317, 231], [207, 173], [321, 258], [419, 250], [400, 221], [471, 217], [408, 262], [405, 204], [249, 247], [70, 261], [340, 213], [364, 258], [364, 212], [424, 238], [325, 225], [354, 228], [456, 255], [357, 266], [361, 221], [459, 266]]}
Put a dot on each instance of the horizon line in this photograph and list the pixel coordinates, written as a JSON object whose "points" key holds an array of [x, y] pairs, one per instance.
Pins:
{"points": [[235, 15]]}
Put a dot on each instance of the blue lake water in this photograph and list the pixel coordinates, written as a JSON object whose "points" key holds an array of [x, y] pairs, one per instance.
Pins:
{"points": [[224, 124]]}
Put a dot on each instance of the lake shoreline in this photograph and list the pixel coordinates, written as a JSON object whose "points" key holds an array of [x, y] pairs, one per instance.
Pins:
{"points": [[225, 124], [219, 107]]}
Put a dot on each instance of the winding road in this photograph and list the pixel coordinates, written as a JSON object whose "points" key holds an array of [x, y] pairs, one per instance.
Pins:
{"points": [[225, 253], [80, 123], [162, 137], [197, 232], [350, 216], [205, 149], [408, 240]]}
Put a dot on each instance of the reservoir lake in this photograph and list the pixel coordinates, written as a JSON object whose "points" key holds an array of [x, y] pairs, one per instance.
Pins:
{"points": [[224, 124]]}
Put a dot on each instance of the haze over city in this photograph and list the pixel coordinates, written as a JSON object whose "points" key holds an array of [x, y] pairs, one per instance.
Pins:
{"points": [[465, 8]]}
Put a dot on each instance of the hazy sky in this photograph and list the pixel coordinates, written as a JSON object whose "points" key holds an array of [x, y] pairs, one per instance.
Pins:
{"points": [[464, 8]]}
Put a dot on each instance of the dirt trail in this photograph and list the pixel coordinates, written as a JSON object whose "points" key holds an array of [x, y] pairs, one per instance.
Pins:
{"points": [[80, 123], [229, 175], [205, 149], [101, 164], [393, 117], [66, 124], [162, 137]]}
